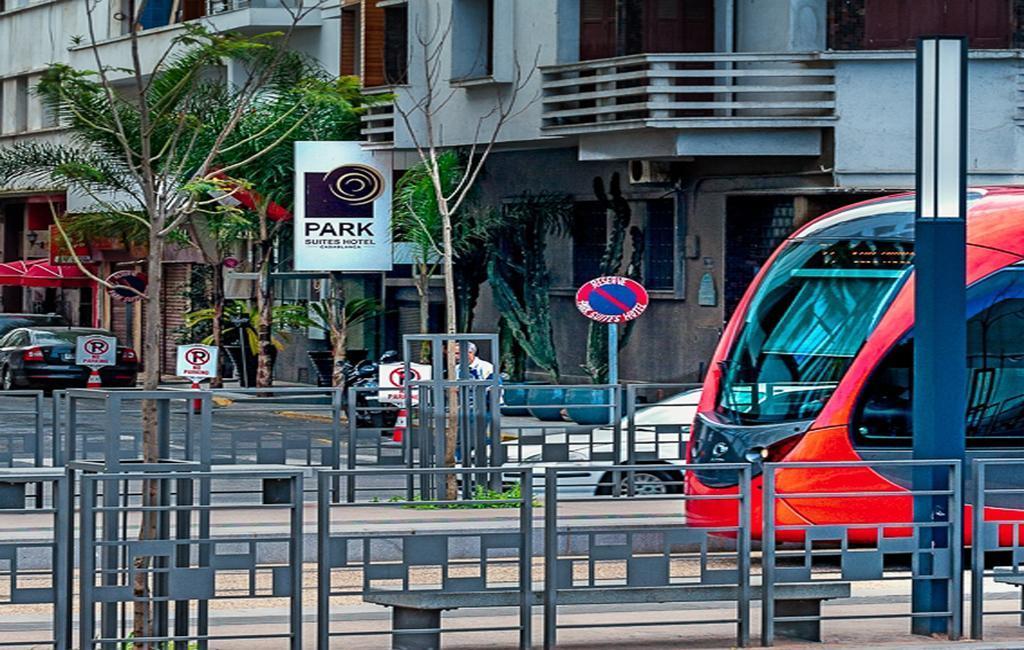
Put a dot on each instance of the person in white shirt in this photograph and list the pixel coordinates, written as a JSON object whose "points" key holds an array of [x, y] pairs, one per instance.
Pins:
{"points": [[478, 368]]}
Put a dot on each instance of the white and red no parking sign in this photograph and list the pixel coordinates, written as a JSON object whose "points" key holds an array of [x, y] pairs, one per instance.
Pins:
{"points": [[612, 299]]}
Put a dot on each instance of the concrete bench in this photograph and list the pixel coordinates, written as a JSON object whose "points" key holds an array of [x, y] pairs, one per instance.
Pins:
{"points": [[412, 610]]}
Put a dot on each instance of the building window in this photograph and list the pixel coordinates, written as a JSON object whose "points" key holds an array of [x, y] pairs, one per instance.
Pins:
{"points": [[896, 24], [589, 234], [396, 44], [472, 39], [350, 33], [659, 245], [21, 104]]}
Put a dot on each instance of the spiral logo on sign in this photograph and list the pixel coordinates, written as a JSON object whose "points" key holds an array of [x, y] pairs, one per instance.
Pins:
{"points": [[355, 184]]}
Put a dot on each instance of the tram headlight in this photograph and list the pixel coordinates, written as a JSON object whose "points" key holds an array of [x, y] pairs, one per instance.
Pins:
{"points": [[756, 454]]}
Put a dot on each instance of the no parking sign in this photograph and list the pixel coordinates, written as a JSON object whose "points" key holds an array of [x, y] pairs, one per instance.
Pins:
{"points": [[392, 376], [197, 362], [94, 351], [612, 299]]}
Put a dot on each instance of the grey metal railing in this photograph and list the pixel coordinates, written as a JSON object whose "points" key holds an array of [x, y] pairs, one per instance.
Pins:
{"points": [[861, 539], [196, 553], [22, 436], [997, 536], [643, 552], [35, 556], [422, 564]]}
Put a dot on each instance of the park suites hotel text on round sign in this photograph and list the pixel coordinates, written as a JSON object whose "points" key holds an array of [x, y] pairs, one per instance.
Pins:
{"points": [[342, 208]]}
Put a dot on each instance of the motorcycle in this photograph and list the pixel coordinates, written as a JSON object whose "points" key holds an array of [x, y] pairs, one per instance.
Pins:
{"points": [[363, 375]]}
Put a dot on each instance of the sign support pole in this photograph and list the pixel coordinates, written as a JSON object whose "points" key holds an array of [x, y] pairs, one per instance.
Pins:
{"points": [[613, 353], [940, 327]]}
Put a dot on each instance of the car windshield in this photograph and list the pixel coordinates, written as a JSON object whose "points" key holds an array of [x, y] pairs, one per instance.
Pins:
{"points": [[810, 315]]}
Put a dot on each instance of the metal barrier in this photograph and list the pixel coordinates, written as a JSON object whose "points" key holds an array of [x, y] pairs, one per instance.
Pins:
{"points": [[642, 551], [104, 428], [371, 438], [658, 420], [276, 426], [417, 557], [35, 558], [195, 554], [18, 441], [859, 547], [997, 532]]}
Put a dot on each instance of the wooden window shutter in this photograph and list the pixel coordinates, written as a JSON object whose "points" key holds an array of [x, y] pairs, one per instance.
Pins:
{"points": [[373, 45], [597, 29]]}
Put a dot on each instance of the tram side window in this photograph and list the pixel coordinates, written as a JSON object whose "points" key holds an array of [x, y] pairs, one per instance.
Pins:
{"points": [[995, 374]]}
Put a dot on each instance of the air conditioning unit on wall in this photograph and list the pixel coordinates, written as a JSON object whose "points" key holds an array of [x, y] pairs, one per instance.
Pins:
{"points": [[645, 172]]}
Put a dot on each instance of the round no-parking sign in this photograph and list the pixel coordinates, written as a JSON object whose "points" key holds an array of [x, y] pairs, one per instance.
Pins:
{"points": [[197, 362], [612, 299]]}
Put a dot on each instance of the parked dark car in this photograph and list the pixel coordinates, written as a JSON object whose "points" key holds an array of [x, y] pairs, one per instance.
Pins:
{"points": [[10, 322], [44, 357]]}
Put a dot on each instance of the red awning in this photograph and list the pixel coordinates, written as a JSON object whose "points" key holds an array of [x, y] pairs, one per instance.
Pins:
{"points": [[40, 273]]}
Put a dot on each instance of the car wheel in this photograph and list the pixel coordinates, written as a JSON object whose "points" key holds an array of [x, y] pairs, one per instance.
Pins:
{"points": [[645, 483], [6, 379]]}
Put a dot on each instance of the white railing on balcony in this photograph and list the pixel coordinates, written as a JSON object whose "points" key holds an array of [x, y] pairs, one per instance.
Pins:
{"points": [[220, 6], [675, 90], [379, 121]]}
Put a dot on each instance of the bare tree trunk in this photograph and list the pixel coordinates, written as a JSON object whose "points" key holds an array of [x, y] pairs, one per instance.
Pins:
{"points": [[217, 298], [264, 307], [451, 327], [339, 328], [142, 621], [423, 289]]}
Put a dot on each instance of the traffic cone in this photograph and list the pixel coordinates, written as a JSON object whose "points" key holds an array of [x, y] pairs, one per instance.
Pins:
{"points": [[401, 422], [94, 380]]}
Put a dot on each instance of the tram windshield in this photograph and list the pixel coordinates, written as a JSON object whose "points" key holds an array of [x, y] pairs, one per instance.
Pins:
{"points": [[810, 315]]}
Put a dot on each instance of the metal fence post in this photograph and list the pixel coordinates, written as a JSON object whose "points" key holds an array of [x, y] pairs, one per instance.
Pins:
{"points": [[87, 564], [743, 550], [353, 437], [525, 558], [768, 557], [62, 536], [323, 564], [956, 544], [550, 558], [295, 561], [978, 553]]}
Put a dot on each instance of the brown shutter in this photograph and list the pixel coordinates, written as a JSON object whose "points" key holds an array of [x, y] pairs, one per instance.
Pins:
{"points": [[678, 26], [191, 9], [373, 45], [175, 305], [597, 29], [891, 24], [989, 21], [349, 36]]}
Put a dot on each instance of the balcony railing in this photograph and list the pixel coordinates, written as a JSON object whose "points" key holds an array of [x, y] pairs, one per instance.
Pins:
{"points": [[379, 121], [677, 90]]}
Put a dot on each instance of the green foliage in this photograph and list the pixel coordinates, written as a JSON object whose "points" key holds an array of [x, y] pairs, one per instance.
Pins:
{"points": [[197, 293], [519, 275], [415, 217], [511, 497], [596, 365], [356, 311], [243, 320]]}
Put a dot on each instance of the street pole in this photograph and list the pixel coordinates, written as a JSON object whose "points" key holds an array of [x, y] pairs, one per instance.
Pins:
{"points": [[613, 353], [940, 327]]}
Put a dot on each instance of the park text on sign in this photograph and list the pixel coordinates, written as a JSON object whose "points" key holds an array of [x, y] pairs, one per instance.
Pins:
{"points": [[197, 361], [392, 375], [96, 351], [612, 299]]}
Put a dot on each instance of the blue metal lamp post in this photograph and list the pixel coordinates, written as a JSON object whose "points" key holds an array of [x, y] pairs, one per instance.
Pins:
{"points": [[940, 329]]}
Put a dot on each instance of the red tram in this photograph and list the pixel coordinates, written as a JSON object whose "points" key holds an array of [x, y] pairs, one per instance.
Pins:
{"points": [[816, 363]]}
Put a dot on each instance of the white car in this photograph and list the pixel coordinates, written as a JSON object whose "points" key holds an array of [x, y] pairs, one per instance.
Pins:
{"points": [[661, 432]]}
